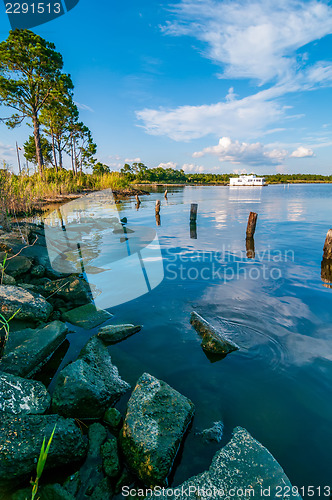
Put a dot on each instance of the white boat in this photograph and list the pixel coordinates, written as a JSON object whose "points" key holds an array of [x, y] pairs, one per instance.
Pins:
{"points": [[247, 180]]}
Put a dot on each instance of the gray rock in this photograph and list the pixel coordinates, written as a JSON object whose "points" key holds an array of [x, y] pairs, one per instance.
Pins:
{"points": [[16, 266], [113, 418], [214, 433], [97, 436], [54, 492], [87, 387], [38, 271], [21, 396], [111, 334], [72, 289], [243, 464], [126, 479], [28, 304], [21, 438], [73, 483], [156, 420], [28, 350], [103, 491], [109, 453], [86, 316], [6, 279], [213, 340]]}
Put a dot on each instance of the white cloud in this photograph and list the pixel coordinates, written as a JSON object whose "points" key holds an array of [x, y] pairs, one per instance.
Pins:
{"points": [[253, 39], [243, 117], [192, 168], [170, 164], [133, 160], [243, 153], [258, 39], [84, 107], [302, 152], [7, 153]]}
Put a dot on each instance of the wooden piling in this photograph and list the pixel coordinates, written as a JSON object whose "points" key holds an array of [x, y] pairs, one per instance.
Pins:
{"points": [[137, 199], [166, 194], [157, 206], [193, 212], [251, 227], [250, 248], [327, 255]]}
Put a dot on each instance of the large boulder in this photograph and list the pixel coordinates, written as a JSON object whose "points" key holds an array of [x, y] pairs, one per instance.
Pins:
{"points": [[21, 396], [242, 469], [28, 350], [90, 385], [71, 289], [213, 341], [87, 316], [26, 304], [21, 438], [16, 265], [156, 420], [111, 334]]}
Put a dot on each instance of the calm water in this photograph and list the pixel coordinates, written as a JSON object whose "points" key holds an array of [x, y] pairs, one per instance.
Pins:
{"points": [[278, 386]]}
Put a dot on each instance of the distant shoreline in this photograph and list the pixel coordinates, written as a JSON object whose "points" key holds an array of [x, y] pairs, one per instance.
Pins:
{"points": [[189, 184]]}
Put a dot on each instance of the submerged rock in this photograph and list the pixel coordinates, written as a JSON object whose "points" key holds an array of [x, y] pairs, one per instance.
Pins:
{"points": [[28, 350], [21, 438], [21, 396], [243, 464], [97, 436], [156, 421], [214, 433], [213, 340], [26, 304], [87, 316], [111, 334], [87, 387]]}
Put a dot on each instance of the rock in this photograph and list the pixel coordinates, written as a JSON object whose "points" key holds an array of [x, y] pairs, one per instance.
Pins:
{"points": [[156, 421], [28, 304], [213, 341], [109, 453], [111, 334], [102, 492], [113, 418], [214, 433], [6, 279], [16, 266], [38, 271], [28, 350], [73, 483], [70, 289], [21, 438], [97, 436], [126, 479], [86, 316], [87, 387], [243, 464], [54, 492], [20, 396]]}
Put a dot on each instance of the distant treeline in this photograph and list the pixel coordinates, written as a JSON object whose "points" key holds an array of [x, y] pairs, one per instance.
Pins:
{"points": [[140, 173]]}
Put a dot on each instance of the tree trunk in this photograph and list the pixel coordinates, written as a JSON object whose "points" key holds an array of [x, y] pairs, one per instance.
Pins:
{"points": [[75, 156], [54, 154], [36, 133], [72, 153], [59, 152]]}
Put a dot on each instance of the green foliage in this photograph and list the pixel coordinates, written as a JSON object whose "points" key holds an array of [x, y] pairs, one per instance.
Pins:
{"points": [[41, 464], [30, 153], [100, 169], [4, 324]]}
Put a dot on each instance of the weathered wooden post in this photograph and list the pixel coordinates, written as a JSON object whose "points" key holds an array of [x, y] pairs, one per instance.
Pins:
{"points": [[250, 248], [193, 212], [251, 227], [138, 201], [326, 266], [158, 219], [328, 246], [166, 194], [157, 206]]}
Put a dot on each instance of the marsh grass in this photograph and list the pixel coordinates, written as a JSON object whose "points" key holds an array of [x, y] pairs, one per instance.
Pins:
{"points": [[23, 194], [41, 464]]}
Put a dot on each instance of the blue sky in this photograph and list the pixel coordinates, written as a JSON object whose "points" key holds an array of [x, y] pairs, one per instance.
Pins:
{"points": [[204, 85]]}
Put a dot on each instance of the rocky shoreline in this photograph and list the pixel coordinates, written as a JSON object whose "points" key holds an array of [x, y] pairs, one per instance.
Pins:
{"points": [[95, 451]]}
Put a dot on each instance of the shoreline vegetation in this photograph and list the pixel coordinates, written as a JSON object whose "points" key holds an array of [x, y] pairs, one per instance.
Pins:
{"points": [[24, 195]]}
